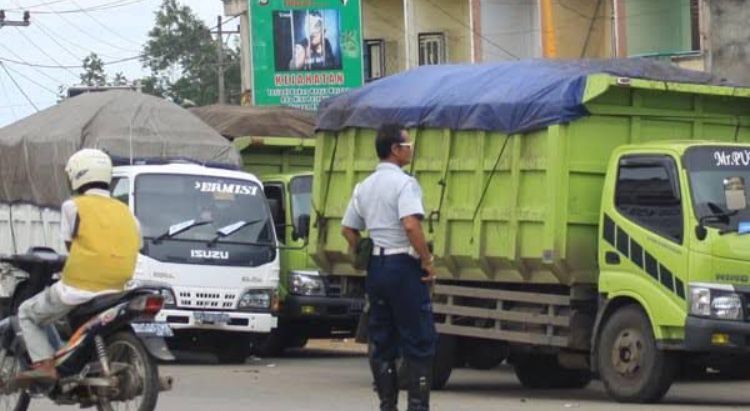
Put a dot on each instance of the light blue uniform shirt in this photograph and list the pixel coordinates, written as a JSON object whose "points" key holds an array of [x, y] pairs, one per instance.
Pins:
{"points": [[380, 202]]}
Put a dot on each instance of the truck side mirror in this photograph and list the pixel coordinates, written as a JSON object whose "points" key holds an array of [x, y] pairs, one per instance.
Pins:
{"points": [[302, 228], [734, 192]]}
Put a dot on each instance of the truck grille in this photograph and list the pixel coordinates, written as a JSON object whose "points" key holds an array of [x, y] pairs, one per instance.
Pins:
{"points": [[206, 299]]}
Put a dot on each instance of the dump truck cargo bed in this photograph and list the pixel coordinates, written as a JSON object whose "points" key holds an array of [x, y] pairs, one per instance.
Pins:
{"points": [[523, 207]]}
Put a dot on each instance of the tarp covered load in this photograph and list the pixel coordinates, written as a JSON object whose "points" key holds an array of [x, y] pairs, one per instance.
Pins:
{"points": [[244, 121], [33, 151], [509, 97]]}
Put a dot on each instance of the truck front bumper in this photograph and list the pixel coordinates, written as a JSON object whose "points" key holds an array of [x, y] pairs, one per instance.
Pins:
{"points": [[322, 317], [237, 321], [709, 335]]}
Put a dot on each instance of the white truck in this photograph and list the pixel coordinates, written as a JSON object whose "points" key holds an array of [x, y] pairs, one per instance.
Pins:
{"points": [[208, 242]]}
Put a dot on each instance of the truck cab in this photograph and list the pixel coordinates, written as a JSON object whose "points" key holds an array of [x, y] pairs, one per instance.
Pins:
{"points": [[674, 220], [312, 304], [209, 243]]}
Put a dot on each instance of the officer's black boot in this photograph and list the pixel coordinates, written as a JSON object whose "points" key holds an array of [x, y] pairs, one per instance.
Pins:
{"points": [[386, 383], [420, 379]]}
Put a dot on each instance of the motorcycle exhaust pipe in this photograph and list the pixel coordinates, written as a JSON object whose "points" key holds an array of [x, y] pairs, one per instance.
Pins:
{"points": [[165, 383]]}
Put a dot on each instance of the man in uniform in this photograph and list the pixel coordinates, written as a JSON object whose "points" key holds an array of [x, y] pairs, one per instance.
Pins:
{"points": [[388, 204]]}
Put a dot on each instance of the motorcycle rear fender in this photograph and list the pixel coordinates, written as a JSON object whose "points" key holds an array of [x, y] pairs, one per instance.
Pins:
{"points": [[157, 347]]}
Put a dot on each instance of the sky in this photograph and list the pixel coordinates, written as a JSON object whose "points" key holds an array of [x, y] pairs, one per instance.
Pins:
{"points": [[63, 33]]}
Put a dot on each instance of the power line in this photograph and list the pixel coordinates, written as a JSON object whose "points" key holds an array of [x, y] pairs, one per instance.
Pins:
{"points": [[18, 87], [102, 24], [54, 36], [51, 37], [26, 64], [32, 81], [43, 51], [87, 34], [48, 66], [100, 7], [7, 98]]}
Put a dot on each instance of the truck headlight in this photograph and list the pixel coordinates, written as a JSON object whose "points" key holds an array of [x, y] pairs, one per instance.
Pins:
{"points": [[255, 300], [721, 304], [307, 284]]}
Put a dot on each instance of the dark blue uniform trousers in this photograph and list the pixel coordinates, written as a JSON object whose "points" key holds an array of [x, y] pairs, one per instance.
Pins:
{"points": [[400, 309]]}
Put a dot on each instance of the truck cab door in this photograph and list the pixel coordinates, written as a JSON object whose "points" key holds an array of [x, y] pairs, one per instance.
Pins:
{"points": [[275, 193], [643, 253]]}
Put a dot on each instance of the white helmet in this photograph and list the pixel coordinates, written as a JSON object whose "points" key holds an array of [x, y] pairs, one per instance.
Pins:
{"points": [[89, 166]]}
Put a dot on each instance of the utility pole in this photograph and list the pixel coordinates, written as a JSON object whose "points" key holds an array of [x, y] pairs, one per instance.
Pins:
{"points": [[26, 20], [220, 50]]}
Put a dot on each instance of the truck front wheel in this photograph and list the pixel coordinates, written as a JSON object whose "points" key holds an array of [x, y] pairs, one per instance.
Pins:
{"points": [[630, 365]]}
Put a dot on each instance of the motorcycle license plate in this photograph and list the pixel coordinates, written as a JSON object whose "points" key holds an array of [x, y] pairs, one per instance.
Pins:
{"points": [[154, 329], [203, 317]]}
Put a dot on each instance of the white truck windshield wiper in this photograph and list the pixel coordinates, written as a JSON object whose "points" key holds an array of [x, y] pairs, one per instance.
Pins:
{"points": [[226, 231], [178, 228]]}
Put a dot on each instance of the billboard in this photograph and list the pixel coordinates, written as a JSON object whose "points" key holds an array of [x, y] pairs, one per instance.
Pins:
{"points": [[304, 51]]}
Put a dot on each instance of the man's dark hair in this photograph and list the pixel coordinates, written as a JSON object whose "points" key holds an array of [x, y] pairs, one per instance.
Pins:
{"points": [[388, 135]]}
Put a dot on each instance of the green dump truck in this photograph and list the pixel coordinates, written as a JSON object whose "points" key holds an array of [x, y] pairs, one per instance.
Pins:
{"points": [[277, 145], [586, 221]]}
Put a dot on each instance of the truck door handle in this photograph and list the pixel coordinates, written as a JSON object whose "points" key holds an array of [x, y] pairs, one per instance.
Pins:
{"points": [[610, 257]]}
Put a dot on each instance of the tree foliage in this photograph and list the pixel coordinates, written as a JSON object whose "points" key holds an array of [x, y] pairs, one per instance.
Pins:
{"points": [[93, 71], [182, 57]]}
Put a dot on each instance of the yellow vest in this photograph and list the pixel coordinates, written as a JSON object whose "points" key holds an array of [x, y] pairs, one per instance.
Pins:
{"points": [[105, 247]]}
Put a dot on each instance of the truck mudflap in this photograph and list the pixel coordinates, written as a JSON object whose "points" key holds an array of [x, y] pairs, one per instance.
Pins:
{"points": [[709, 335]]}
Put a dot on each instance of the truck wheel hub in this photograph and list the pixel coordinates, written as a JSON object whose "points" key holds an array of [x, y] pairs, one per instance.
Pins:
{"points": [[627, 352]]}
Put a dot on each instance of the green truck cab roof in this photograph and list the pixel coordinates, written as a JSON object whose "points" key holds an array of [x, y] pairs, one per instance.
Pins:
{"points": [[286, 177]]}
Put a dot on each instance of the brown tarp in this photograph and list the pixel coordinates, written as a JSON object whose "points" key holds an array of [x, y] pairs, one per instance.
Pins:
{"points": [[244, 121], [34, 150]]}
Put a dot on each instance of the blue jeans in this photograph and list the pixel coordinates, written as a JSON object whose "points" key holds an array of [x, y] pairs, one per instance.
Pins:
{"points": [[400, 309]]}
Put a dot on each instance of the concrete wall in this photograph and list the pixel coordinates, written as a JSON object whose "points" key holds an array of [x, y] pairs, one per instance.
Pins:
{"points": [[510, 28], [239, 8], [384, 19], [728, 38], [583, 28]]}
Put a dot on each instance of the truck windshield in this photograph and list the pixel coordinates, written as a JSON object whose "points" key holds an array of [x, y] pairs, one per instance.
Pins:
{"points": [[301, 190], [162, 200], [707, 168]]}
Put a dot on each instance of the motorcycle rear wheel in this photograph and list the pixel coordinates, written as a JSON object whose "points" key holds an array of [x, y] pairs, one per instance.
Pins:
{"points": [[142, 375]]}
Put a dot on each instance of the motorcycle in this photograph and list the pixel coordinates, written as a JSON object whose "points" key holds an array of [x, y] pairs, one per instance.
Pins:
{"points": [[109, 361]]}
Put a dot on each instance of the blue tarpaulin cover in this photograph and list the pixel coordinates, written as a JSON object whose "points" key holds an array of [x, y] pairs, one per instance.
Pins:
{"points": [[509, 97]]}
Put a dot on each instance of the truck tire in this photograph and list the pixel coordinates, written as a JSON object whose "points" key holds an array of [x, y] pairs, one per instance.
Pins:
{"points": [[445, 358], [233, 351], [483, 354], [271, 345], [542, 371], [630, 365]]}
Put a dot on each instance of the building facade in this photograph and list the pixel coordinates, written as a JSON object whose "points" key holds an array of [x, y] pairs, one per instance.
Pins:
{"points": [[402, 34]]}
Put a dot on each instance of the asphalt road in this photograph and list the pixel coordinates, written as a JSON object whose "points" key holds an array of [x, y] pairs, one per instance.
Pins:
{"points": [[336, 378]]}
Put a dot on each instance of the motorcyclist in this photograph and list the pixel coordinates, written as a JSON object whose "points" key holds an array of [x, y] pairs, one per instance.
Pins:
{"points": [[102, 237]]}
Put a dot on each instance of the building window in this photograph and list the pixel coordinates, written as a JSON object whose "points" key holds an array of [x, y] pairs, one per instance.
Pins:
{"points": [[374, 57], [432, 49], [660, 28]]}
